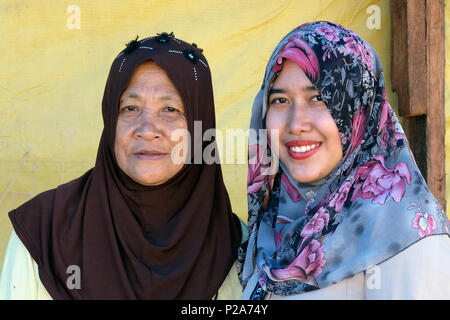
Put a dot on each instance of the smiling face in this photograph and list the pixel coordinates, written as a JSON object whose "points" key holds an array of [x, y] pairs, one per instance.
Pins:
{"points": [[309, 141], [150, 110]]}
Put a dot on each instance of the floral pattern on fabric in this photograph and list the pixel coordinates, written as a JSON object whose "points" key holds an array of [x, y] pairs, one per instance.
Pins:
{"points": [[376, 182], [256, 167], [423, 222], [305, 266]]}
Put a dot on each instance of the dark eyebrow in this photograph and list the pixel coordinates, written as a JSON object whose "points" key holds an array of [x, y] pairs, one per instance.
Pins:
{"points": [[304, 89], [273, 91], [310, 88], [133, 95], [169, 98]]}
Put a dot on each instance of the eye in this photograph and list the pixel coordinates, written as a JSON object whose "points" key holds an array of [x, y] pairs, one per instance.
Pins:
{"points": [[317, 98], [129, 108], [278, 101], [172, 113], [171, 109]]}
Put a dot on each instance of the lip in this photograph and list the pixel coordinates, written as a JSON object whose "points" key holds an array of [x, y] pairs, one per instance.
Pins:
{"points": [[150, 154], [301, 143]]}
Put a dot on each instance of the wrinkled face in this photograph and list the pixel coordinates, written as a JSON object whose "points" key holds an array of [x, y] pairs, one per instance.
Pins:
{"points": [[309, 141], [150, 110]]}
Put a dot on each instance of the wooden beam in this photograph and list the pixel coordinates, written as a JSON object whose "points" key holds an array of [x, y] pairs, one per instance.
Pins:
{"points": [[435, 81], [418, 76], [409, 55]]}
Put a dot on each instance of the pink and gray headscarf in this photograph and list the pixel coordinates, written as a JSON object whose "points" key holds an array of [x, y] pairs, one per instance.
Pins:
{"points": [[373, 205]]}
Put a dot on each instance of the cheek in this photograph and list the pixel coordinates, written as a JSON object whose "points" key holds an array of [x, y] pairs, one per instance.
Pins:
{"points": [[276, 121], [121, 143], [178, 131], [331, 132], [176, 125], [275, 125], [272, 119]]}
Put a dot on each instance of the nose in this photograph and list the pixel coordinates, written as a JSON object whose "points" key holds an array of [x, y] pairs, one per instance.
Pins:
{"points": [[300, 118], [148, 127]]}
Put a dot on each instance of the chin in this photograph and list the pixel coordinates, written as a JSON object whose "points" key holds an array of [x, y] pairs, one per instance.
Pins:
{"points": [[150, 181], [304, 177], [305, 180]]}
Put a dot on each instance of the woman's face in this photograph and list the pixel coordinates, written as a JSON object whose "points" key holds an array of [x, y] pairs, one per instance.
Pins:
{"points": [[150, 110], [309, 141]]}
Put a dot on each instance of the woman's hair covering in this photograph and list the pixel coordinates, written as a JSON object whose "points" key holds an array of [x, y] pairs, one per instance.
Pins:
{"points": [[373, 205], [177, 240]]}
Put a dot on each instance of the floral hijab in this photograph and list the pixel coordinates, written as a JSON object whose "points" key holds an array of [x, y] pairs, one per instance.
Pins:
{"points": [[373, 205]]}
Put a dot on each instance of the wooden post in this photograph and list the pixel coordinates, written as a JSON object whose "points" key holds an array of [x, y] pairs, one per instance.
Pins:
{"points": [[418, 64], [409, 55], [436, 98]]}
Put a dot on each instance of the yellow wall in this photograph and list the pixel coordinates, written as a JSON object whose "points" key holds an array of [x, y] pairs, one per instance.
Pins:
{"points": [[52, 77]]}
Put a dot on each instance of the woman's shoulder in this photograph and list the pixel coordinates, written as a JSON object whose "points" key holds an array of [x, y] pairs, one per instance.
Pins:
{"points": [[20, 276], [38, 213], [34, 204], [428, 253], [45, 199], [421, 271]]}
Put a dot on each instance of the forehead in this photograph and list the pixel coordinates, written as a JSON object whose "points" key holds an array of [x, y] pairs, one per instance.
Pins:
{"points": [[291, 73], [149, 78], [147, 67]]}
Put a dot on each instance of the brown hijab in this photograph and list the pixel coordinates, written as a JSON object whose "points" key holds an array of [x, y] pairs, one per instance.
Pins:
{"points": [[177, 240]]}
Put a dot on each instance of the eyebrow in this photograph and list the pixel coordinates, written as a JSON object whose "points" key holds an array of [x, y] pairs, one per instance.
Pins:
{"points": [[134, 95], [130, 95], [306, 88]]}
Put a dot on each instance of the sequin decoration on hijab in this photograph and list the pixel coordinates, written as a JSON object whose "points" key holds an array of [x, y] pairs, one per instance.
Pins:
{"points": [[374, 203]]}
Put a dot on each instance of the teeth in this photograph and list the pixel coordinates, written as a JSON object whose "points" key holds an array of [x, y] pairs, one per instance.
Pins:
{"points": [[304, 148]]}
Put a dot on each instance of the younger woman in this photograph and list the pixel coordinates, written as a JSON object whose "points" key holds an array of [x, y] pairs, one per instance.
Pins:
{"points": [[348, 215]]}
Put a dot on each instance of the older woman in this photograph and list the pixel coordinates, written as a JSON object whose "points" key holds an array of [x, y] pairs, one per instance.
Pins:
{"points": [[348, 215], [139, 225]]}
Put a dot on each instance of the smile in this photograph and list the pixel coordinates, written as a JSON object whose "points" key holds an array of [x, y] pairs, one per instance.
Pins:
{"points": [[300, 150], [304, 148]]}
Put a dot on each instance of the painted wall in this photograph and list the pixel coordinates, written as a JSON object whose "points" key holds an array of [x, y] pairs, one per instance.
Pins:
{"points": [[55, 57]]}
